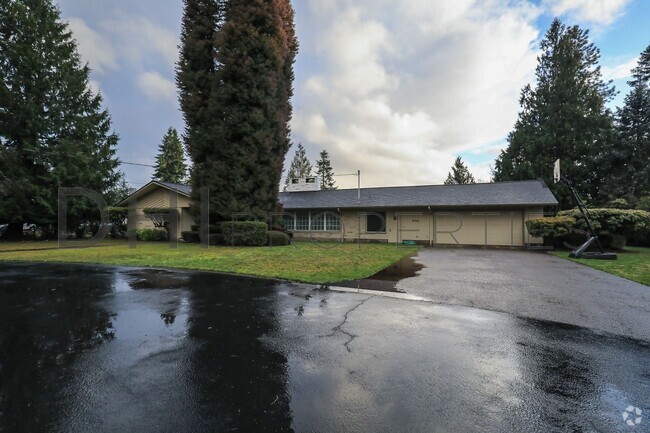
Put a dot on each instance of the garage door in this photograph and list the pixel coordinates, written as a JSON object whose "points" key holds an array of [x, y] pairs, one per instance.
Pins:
{"points": [[491, 228]]}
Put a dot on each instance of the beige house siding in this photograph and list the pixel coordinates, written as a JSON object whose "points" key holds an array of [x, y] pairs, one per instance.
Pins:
{"points": [[494, 227], [503, 227], [160, 198]]}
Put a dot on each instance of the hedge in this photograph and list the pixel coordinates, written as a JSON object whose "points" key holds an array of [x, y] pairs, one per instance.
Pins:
{"points": [[643, 203], [277, 238], [242, 233], [151, 235], [191, 236], [633, 224], [550, 227]]}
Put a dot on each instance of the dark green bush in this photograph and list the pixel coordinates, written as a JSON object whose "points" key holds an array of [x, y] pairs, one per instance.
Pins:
{"points": [[277, 238], [549, 227], [619, 203], [632, 224], [243, 233], [216, 239], [191, 236], [194, 228], [117, 217], [643, 203], [151, 235], [610, 240]]}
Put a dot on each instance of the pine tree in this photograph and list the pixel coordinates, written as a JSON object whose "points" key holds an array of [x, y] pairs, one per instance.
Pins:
{"points": [[325, 172], [628, 162], [300, 166], [641, 73], [236, 80], [53, 130], [170, 161], [564, 116], [459, 174]]}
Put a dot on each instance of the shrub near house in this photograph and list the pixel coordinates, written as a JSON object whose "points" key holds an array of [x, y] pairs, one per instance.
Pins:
{"points": [[614, 226]]}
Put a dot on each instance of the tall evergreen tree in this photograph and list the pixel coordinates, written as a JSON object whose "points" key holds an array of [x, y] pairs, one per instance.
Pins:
{"points": [[628, 162], [564, 116], [325, 172], [300, 166], [236, 79], [53, 130], [460, 174], [170, 161], [641, 73]]}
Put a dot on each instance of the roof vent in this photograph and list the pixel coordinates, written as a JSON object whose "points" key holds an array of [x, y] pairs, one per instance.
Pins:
{"points": [[301, 184]]}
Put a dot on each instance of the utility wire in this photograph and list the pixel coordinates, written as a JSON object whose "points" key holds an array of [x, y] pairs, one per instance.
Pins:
{"points": [[87, 158]]}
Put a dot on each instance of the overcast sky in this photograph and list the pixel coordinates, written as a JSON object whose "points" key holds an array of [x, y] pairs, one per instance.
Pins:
{"points": [[396, 89]]}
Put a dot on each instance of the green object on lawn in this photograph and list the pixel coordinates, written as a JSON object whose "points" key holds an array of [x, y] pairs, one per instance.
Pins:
{"points": [[408, 242]]}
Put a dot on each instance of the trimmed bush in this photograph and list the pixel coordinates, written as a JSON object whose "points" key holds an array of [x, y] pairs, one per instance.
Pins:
{"points": [[243, 233], [609, 240], [550, 227], [619, 203], [277, 238], [632, 224], [643, 203], [151, 235], [216, 239], [191, 236]]}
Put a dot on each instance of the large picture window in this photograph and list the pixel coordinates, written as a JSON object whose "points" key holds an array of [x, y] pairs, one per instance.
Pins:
{"points": [[375, 223], [289, 222], [315, 221], [302, 221]]}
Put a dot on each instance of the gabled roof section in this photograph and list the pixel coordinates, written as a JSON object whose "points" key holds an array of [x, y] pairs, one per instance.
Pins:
{"points": [[185, 190], [519, 193]]}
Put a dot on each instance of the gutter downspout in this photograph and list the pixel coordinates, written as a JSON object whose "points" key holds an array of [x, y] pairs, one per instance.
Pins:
{"points": [[431, 227]]}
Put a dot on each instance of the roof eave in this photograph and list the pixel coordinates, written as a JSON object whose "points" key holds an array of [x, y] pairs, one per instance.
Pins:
{"points": [[153, 182]]}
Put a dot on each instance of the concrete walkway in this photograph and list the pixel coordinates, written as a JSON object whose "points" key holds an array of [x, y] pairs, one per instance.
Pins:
{"points": [[533, 285]]}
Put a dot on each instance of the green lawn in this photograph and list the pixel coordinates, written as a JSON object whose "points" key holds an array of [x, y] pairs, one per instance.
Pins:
{"points": [[305, 262], [633, 264]]}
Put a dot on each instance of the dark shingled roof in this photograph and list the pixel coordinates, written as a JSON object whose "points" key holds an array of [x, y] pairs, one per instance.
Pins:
{"points": [[522, 193], [183, 189]]}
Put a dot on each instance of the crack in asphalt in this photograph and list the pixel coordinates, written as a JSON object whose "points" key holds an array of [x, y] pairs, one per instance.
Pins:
{"points": [[339, 327]]}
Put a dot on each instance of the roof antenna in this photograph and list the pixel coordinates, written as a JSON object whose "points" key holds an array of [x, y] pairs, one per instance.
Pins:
{"points": [[358, 175], [359, 186]]}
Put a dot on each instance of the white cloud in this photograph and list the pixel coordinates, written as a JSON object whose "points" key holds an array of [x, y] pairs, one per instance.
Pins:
{"points": [[595, 11], [94, 86], [156, 87], [400, 88], [140, 39], [621, 71], [94, 48]]}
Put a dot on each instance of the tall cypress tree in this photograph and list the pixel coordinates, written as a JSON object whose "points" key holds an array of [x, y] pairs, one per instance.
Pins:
{"points": [[236, 75], [325, 172], [628, 161], [53, 130], [196, 70], [460, 174], [170, 161], [564, 116]]}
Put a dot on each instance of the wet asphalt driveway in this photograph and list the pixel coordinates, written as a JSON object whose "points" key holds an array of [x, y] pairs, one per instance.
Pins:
{"points": [[532, 284], [102, 349]]}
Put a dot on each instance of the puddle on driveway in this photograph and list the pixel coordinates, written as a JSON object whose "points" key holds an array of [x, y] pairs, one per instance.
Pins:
{"points": [[87, 348], [386, 280]]}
